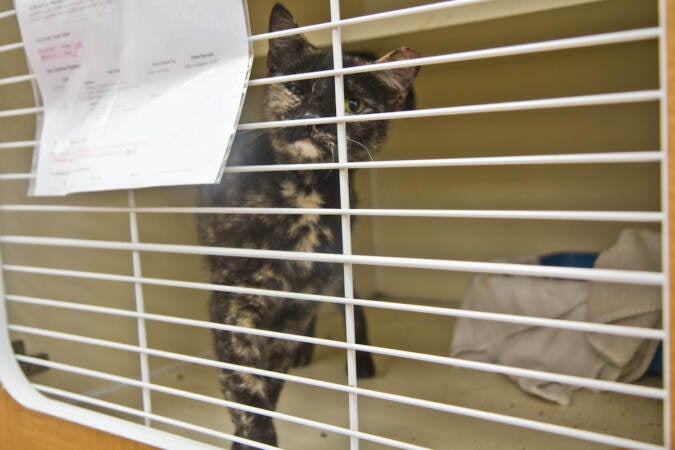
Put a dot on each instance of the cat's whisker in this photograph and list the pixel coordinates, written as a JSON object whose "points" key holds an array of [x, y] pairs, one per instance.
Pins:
{"points": [[363, 147], [333, 158]]}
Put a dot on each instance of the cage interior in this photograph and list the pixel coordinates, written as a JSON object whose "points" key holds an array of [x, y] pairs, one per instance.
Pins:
{"points": [[604, 128]]}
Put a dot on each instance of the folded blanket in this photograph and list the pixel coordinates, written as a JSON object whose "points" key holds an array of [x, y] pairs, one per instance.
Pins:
{"points": [[624, 304], [563, 351]]}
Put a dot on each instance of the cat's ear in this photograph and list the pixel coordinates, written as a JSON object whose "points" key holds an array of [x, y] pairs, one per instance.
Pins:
{"points": [[399, 80], [287, 49]]}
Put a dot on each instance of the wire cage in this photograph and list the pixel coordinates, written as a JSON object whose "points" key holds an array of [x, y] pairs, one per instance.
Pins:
{"points": [[540, 127]]}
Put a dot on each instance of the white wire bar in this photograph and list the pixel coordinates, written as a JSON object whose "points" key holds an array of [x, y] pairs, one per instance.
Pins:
{"points": [[8, 13], [21, 111], [622, 388], [135, 412], [484, 415], [15, 176], [510, 50], [140, 303], [598, 216], [578, 158], [345, 222], [10, 47], [618, 330], [17, 79], [221, 402], [666, 180], [17, 144], [608, 275], [519, 105]]}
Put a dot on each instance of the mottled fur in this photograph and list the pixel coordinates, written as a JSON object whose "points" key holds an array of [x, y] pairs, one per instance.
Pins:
{"points": [[379, 91]]}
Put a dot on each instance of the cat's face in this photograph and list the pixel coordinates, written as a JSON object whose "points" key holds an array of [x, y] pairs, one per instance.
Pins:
{"points": [[364, 93]]}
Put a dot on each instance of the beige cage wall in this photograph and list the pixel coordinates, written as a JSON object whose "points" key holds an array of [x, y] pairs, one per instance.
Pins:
{"points": [[611, 187]]}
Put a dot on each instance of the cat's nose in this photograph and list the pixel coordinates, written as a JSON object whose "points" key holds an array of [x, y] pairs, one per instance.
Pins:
{"points": [[311, 115]]}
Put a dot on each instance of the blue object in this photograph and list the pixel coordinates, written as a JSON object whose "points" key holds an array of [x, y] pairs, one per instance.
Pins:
{"points": [[569, 259], [656, 366]]}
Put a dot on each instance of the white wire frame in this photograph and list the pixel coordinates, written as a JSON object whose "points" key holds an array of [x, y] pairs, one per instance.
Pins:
{"points": [[12, 374], [665, 226]]}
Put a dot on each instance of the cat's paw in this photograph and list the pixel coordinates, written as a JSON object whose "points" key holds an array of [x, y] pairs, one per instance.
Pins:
{"points": [[365, 367], [303, 356]]}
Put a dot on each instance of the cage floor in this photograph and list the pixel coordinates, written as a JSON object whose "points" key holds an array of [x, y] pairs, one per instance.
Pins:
{"points": [[616, 414]]}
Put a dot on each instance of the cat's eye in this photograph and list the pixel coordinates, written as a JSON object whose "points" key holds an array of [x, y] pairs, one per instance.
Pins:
{"points": [[295, 89], [354, 106]]}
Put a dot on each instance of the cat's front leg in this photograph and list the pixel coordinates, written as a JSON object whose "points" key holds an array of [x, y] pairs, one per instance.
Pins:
{"points": [[305, 351], [245, 388], [250, 351], [365, 367]]}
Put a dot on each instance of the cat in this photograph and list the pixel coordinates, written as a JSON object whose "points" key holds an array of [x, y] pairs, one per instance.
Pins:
{"points": [[365, 93]]}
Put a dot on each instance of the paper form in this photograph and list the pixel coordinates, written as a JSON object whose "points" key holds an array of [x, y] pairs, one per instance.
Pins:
{"points": [[136, 93]]}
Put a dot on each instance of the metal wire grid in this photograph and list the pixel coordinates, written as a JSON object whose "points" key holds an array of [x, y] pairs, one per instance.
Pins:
{"points": [[19, 386]]}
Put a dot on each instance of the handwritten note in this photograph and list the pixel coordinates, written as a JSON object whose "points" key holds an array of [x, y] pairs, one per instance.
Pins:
{"points": [[135, 93]]}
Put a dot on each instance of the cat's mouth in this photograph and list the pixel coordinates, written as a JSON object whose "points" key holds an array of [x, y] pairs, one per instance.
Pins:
{"points": [[307, 149], [318, 147], [312, 146]]}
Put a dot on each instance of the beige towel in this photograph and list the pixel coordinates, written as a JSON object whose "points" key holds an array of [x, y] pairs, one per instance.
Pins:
{"points": [[623, 304], [547, 349], [563, 351]]}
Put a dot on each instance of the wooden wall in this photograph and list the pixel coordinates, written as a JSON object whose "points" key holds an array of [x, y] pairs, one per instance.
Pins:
{"points": [[23, 429]]}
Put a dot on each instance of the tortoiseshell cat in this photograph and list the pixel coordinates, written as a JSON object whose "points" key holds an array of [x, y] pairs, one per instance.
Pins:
{"points": [[364, 93]]}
